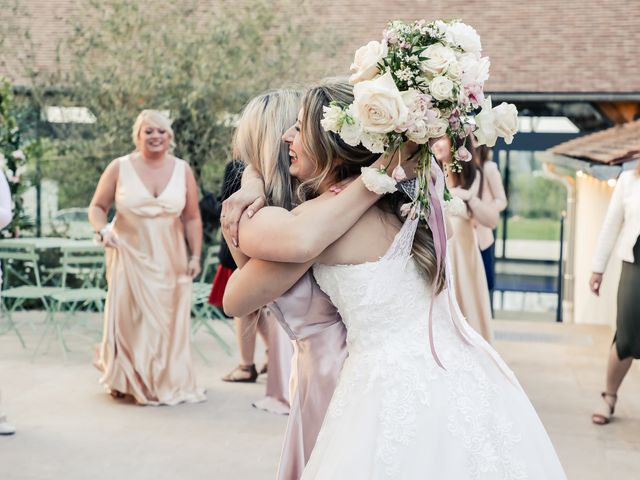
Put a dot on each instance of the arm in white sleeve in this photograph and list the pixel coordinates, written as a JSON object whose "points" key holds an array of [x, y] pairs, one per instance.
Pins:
{"points": [[610, 229], [5, 202]]}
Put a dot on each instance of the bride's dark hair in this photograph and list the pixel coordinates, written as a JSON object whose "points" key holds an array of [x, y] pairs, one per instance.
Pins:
{"points": [[337, 160]]}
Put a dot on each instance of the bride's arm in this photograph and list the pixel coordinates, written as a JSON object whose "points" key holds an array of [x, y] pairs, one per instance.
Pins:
{"points": [[299, 236]]}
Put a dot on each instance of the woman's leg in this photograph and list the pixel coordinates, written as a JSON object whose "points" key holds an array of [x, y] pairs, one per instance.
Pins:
{"points": [[246, 335], [263, 329], [616, 371]]}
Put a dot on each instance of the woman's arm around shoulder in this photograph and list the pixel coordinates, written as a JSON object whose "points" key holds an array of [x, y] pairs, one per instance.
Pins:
{"points": [[258, 283]]}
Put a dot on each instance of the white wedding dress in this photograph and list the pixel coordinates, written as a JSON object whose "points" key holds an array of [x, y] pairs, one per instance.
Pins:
{"points": [[395, 413]]}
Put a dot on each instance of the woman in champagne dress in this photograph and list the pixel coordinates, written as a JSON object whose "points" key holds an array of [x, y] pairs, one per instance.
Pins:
{"points": [[145, 351], [469, 279]]}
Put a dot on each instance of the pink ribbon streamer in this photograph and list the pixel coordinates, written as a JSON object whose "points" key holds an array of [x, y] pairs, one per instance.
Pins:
{"points": [[436, 223]]}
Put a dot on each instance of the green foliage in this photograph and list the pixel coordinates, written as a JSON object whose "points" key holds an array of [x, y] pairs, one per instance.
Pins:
{"points": [[13, 159], [537, 197], [200, 64]]}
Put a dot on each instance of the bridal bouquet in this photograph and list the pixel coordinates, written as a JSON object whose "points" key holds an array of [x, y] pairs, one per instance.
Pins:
{"points": [[421, 82]]}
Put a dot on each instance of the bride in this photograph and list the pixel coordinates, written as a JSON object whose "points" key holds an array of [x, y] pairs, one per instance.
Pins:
{"points": [[398, 411]]}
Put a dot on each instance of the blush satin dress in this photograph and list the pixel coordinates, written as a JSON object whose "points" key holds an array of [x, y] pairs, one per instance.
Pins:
{"points": [[319, 339]]}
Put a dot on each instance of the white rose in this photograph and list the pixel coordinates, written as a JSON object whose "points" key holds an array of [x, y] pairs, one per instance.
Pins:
{"points": [[417, 103], [365, 62], [485, 130], [437, 127], [505, 121], [333, 117], [374, 142], [418, 132], [441, 88], [454, 71], [464, 36], [351, 133], [378, 104], [437, 59], [474, 68]]}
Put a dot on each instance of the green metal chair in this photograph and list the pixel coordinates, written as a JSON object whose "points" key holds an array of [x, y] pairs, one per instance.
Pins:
{"points": [[22, 282], [202, 313], [85, 265]]}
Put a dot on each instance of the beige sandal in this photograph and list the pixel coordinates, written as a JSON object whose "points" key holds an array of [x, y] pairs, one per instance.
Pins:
{"points": [[603, 417]]}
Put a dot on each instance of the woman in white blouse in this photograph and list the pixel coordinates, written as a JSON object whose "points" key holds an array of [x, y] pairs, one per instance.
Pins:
{"points": [[5, 218], [621, 222]]}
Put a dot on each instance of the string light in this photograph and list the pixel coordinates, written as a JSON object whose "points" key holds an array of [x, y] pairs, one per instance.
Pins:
{"points": [[611, 182], [579, 173]]}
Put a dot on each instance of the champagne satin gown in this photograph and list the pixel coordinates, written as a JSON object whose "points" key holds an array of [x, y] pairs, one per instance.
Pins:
{"points": [[146, 350], [469, 279], [315, 327]]}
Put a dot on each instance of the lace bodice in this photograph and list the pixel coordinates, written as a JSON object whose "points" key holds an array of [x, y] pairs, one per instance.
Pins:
{"points": [[367, 296]]}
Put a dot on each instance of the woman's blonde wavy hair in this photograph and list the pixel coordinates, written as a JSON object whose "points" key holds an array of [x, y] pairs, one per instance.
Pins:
{"points": [[257, 141], [337, 160]]}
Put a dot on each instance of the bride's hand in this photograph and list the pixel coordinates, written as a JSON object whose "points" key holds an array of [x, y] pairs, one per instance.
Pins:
{"points": [[405, 157], [250, 198], [341, 185]]}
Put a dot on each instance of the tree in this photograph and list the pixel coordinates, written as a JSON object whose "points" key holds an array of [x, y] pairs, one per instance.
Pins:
{"points": [[13, 159], [202, 64]]}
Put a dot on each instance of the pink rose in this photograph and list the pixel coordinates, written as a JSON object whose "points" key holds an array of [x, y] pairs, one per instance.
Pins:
{"points": [[463, 155], [398, 174]]}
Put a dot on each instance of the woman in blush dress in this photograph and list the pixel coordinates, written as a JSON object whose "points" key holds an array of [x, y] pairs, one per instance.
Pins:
{"points": [[303, 309], [146, 349], [396, 412], [256, 141]]}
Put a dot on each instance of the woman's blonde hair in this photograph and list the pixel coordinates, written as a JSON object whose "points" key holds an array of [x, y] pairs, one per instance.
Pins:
{"points": [[257, 141], [337, 160], [156, 119]]}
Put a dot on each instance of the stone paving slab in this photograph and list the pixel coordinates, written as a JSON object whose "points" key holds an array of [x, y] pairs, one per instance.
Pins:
{"points": [[69, 428]]}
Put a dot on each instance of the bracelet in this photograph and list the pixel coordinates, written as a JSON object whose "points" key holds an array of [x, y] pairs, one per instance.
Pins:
{"points": [[194, 257], [377, 181]]}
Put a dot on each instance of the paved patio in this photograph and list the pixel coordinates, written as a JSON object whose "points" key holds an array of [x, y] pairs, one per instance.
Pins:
{"points": [[68, 428]]}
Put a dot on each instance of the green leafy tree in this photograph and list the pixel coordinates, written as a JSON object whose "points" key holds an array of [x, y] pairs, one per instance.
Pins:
{"points": [[13, 159], [202, 64]]}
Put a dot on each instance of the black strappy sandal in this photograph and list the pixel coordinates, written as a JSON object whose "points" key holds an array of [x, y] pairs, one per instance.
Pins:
{"points": [[238, 374], [602, 418]]}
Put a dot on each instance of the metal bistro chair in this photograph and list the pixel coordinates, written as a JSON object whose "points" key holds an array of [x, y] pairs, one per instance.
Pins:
{"points": [[86, 265], [202, 312], [22, 281]]}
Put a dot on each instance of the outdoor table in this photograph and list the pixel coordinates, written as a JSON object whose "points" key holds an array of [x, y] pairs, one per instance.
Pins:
{"points": [[46, 243]]}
